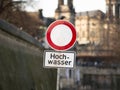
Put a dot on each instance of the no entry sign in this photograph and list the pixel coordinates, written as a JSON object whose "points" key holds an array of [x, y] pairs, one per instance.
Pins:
{"points": [[61, 35]]}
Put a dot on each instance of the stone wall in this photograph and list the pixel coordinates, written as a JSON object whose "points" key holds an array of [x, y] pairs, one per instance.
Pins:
{"points": [[21, 61]]}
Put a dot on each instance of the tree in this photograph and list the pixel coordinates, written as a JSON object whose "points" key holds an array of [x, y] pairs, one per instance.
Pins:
{"points": [[5, 5], [13, 12]]}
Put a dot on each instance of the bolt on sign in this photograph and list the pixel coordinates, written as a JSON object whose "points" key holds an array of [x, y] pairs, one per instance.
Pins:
{"points": [[59, 59]]}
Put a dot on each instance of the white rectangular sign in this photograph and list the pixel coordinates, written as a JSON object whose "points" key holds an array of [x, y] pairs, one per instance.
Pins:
{"points": [[59, 59]]}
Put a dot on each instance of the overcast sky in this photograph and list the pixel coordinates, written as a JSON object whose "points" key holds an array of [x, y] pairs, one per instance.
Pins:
{"points": [[49, 6]]}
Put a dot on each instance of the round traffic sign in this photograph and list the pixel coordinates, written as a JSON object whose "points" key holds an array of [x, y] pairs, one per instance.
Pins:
{"points": [[61, 35]]}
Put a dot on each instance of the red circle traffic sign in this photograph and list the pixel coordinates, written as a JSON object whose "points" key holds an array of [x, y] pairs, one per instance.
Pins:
{"points": [[61, 35]]}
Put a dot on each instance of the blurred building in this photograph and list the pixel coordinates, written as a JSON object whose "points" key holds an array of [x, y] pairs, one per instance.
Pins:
{"points": [[65, 9], [88, 25], [96, 69]]}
